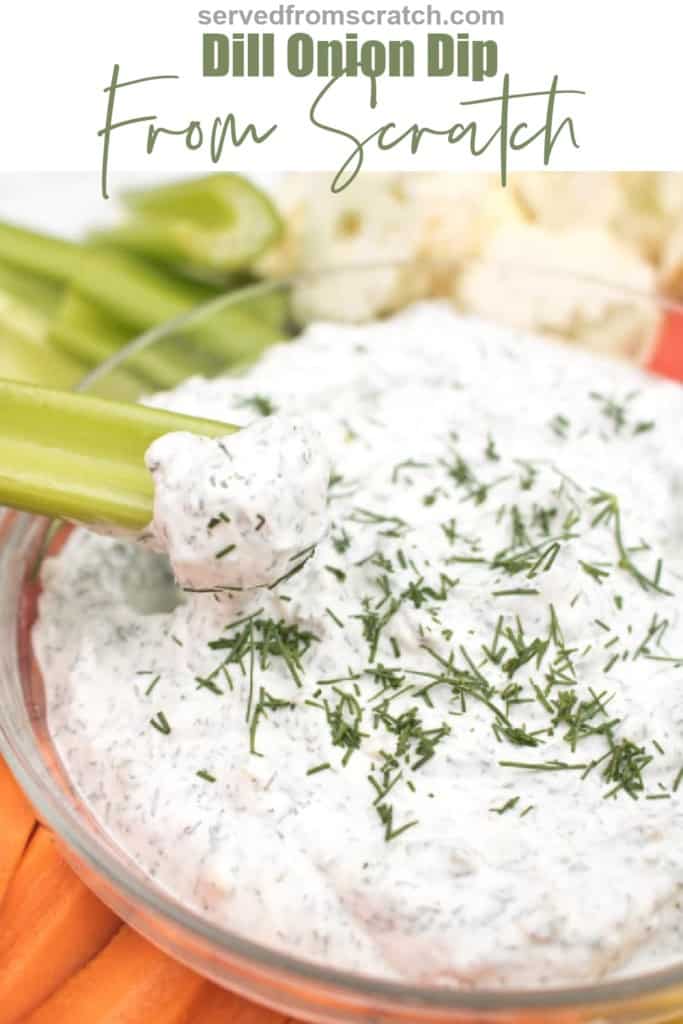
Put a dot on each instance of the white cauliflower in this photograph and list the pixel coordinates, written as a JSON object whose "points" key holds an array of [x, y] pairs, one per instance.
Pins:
{"points": [[671, 256], [532, 278], [644, 218], [416, 230], [671, 264], [562, 200], [636, 207], [436, 235]]}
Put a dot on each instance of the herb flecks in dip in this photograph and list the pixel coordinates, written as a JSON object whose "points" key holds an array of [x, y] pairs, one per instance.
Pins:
{"points": [[241, 512], [448, 747]]}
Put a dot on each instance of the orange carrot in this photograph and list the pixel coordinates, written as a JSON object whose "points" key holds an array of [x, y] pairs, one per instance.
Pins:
{"points": [[128, 982], [16, 824], [50, 925], [666, 357], [216, 1006]]}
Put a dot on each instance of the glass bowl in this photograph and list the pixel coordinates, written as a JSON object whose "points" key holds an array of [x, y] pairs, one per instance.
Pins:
{"points": [[227, 333]]}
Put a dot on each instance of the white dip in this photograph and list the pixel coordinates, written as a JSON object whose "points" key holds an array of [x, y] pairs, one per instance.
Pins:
{"points": [[208, 495], [445, 748]]}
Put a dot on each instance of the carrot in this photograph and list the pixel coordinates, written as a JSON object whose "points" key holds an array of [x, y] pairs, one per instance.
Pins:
{"points": [[666, 356], [16, 824], [50, 925], [216, 1006], [128, 982]]}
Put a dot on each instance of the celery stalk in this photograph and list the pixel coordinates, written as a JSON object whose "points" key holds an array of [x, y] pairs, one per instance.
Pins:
{"points": [[45, 255], [39, 293], [140, 296], [85, 332], [36, 362], [25, 353], [220, 222], [79, 457], [143, 296]]}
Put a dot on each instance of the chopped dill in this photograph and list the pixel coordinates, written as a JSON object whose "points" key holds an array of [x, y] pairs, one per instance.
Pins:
{"points": [[160, 723]]}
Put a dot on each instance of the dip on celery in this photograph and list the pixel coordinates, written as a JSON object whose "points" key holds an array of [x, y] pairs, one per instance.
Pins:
{"points": [[415, 707]]}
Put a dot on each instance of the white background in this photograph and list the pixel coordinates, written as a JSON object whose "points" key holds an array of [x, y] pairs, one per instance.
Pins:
{"points": [[56, 57]]}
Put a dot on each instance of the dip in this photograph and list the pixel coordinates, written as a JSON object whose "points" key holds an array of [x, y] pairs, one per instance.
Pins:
{"points": [[415, 707]]}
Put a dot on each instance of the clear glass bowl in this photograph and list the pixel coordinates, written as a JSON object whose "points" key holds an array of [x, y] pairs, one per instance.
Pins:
{"points": [[204, 342]]}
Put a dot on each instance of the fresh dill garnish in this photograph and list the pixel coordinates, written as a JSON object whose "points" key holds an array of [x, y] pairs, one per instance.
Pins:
{"points": [[596, 572], [385, 813], [560, 426], [450, 531], [160, 723], [344, 721], [624, 768], [338, 574], [341, 542], [608, 513], [517, 592], [373, 623], [543, 766], [266, 702], [616, 412], [507, 806], [303, 558], [395, 525], [491, 452], [655, 632], [214, 522], [406, 464], [225, 551], [151, 686], [260, 404], [334, 618]]}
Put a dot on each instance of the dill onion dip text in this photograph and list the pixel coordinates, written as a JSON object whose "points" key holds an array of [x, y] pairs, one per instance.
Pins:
{"points": [[434, 732]]}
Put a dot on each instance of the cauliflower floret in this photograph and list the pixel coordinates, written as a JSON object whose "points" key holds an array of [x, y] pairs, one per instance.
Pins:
{"points": [[563, 200], [525, 279], [671, 264], [373, 222], [429, 223], [642, 219], [671, 256], [435, 235], [636, 207], [460, 213], [670, 188]]}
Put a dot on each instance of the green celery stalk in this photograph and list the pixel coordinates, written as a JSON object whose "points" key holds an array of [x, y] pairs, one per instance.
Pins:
{"points": [[25, 353], [140, 296], [54, 258], [143, 297], [85, 332], [39, 293], [220, 222], [79, 457], [35, 361]]}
